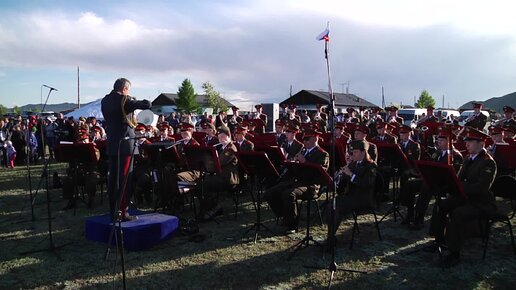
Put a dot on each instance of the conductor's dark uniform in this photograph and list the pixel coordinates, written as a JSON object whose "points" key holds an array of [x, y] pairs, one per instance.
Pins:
{"points": [[115, 107]]}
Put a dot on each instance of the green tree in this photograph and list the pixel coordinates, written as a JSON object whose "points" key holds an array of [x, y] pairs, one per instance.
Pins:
{"points": [[3, 110], [215, 101], [186, 102], [17, 110], [425, 100]]}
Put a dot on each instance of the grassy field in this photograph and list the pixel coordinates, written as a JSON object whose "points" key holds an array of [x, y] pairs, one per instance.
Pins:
{"points": [[225, 260]]}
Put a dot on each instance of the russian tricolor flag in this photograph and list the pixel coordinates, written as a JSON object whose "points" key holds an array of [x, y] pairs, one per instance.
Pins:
{"points": [[325, 34]]}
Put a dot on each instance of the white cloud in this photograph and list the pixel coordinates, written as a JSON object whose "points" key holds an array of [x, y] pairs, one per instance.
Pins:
{"points": [[253, 51]]}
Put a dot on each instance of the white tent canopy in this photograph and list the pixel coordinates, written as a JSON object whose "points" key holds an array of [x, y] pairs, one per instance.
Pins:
{"points": [[91, 110]]}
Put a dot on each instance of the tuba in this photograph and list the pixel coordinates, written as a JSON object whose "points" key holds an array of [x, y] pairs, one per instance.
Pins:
{"points": [[146, 117]]}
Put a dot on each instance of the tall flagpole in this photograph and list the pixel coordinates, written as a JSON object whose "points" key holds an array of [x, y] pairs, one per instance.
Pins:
{"points": [[332, 267], [326, 38]]}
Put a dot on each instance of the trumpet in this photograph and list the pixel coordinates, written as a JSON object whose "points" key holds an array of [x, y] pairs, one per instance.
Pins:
{"points": [[470, 118]]}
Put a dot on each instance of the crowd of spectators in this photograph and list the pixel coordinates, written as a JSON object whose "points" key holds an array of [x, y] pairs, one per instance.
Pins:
{"points": [[24, 140]]}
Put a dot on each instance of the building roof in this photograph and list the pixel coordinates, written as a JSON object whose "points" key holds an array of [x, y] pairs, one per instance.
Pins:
{"points": [[309, 97]]}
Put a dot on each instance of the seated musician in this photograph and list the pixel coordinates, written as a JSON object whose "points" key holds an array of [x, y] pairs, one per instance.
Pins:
{"points": [[97, 133], [260, 126], [392, 115], [320, 118], [360, 134], [223, 181], [457, 218], [382, 135], [241, 143], [508, 133], [429, 117], [210, 139], [176, 199], [292, 115], [165, 133], [81, 174], [280, 136], [356, 184], [477, 120], [508, 118], [141, 170], [340, 134], [412, 151], [291, 147], [415, 220], [233, 120], [497, 137], [282, 198]]}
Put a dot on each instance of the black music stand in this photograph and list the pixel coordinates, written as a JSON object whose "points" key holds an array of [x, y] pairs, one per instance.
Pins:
{"points": [[76, 154], [274, 153], [392, 154], [206, 161], [259, 167], [307, 174], [159, 153], [508, 156]]}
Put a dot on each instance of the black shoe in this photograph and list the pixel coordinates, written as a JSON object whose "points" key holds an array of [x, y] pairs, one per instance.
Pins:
{"points": [[406, 221], [291, 230], [209, 215], [69, 205], [417, 225], [451, 260], [434, 247]]}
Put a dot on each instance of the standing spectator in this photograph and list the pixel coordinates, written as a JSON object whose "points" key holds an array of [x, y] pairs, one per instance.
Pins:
{"points": [[50, 137], [33, 145], [19, 142], [3, 139], [11, 154]]}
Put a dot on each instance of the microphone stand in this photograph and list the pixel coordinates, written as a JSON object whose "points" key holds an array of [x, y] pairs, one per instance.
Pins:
{"points": [[51, 247], [332, 267], [117, 216]]}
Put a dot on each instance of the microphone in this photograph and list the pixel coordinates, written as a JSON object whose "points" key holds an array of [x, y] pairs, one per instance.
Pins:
{"points": [[51, 88]]}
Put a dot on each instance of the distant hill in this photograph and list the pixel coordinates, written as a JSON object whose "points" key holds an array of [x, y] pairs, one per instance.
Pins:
{"points": [[50, 107], [495, 104]]}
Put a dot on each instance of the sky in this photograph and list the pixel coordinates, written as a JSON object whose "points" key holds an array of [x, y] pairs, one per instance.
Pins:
{"points": [[254, 51]]}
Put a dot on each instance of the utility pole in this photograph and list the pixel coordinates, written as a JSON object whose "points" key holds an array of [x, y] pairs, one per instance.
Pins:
{"points": [[347, 87], [383, 99], [78, 90]]}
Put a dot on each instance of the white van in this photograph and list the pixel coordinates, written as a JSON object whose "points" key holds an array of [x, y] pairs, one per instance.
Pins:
{"points": [[445, 113], [410, 115]]}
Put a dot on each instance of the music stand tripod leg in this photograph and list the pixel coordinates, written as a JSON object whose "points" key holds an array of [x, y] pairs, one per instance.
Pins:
{"points": [[257, 204]]}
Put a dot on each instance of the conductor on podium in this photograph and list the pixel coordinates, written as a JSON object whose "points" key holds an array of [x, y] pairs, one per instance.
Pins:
{"points": [[117, 108]]}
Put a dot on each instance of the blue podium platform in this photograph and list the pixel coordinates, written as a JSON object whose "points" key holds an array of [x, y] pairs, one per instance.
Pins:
{"points": [[147, 231]]}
